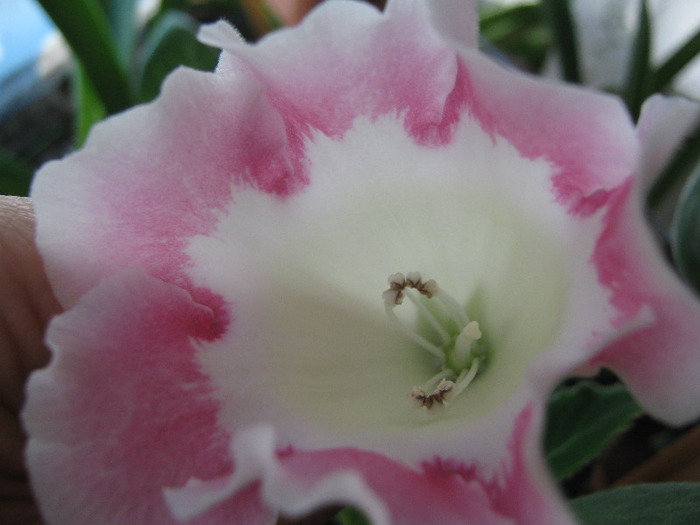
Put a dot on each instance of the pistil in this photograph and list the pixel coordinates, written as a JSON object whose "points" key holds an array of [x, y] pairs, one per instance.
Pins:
{"points": [[463, 343]]}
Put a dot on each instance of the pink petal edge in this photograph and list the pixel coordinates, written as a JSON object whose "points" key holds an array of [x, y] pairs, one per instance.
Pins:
{"points": [[123, 409], [440, 491], [661, 362]]}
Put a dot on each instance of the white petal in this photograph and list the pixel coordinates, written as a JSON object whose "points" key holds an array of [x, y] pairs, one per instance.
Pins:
{"points": [[311, 344]]}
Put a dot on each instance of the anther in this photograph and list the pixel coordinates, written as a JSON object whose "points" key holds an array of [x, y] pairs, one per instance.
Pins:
{"points": [[415, 280], [437, 397], [394, 296], [429, 288]]}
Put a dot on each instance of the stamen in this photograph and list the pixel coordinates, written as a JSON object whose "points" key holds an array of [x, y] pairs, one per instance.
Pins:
{"points": [[436, 379], [429, 317], [428, 288], [427, 345], [395, 295], [438, 397], [456, 312], [464, 379], [456, 355]]}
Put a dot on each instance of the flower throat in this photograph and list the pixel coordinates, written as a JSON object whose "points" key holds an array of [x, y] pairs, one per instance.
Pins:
{"points": [[458, 354]]}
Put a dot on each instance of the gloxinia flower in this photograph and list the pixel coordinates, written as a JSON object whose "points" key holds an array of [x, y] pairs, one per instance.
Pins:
{"points": [[347, 268]]}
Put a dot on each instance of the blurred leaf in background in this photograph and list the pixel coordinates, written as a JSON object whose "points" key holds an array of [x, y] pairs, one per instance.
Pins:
{"points": [[15, 175], [582, 420], [519, 31], [33, 65], [170, 43], [122, 49], [662, 503]]}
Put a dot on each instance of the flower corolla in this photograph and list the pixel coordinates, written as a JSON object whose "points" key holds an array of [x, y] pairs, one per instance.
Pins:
{"points": [[346, 268]]}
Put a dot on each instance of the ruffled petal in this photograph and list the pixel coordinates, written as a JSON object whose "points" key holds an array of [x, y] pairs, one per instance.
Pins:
{"points": [[283, 490], [660, 363], [438, 491], [587, 137], [331, 87], [124, 411], [159, 182], [246, 125]]}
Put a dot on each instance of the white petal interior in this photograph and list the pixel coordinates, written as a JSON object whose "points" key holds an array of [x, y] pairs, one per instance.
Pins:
{"points": [[311, 346]]}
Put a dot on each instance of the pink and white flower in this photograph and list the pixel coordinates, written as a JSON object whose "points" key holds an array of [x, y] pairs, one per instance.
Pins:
{"points": [[232, 350]]}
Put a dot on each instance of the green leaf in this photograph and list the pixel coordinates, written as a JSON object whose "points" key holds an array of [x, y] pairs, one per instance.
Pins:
{"points": [[675, 63], [251, 18], [685, 231], [520, 31], [658, 504], [272, 21], [88, 106], [636, 85], [350, 516], [86, 29], [172, 42], [581, 420], [497, 25], [561, 23], [121, 15], [179, 5], [15, 175]]}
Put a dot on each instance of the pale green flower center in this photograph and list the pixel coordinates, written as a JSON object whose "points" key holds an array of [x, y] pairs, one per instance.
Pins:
{"points": [[454, 344]]}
